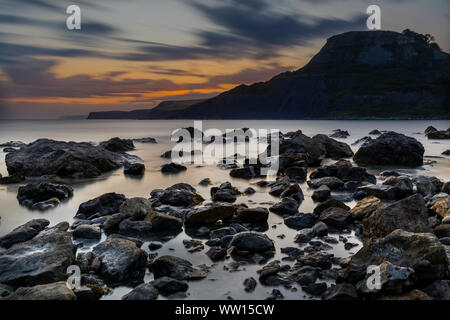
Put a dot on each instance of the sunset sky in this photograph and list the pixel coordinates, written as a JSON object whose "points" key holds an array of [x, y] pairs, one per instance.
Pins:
{"points": [[134, 54]]}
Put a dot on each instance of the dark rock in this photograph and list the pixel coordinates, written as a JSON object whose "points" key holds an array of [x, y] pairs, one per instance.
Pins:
{"points": [[144, 291], [446, 153], [304, 235], [249, 191], [32, 194], [172, 168], [336, 217], [320, 229], [145, 140], [293, 191], [155, 245], [167, 285], [247, 172], [408, 214], [205, 182], [163, 222], [179, 195], [318, 260], [176, 268], [403, 184], [362, 141], [210, 214], [250, 284], [296, 173], [24, 232], [51, 291], [442, 231], [301, 221], [331, 182], [138, 228], [334, 149], [338, 133], [427, 185], [315, 289], [105, 204], [85, 231], [135, 169], [216, 253], [279, 186], [375, 132], [365, 207], [380, 191], [224, 193], [287, 206], [430, 129], [439, 289], [321, 194], [344, 291], [439, 135], [446, 187], [328, 204], [252, 241], [391, 149], [252, 215], [136, 208], [118, 145], [12, 179]]}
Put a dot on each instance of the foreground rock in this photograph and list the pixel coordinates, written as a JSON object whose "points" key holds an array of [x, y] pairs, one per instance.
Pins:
{"points": [[333, 149], [44, 195], [391, 148], [365, 207], [172, 168], [176, 268], [24, 232], [118, 145], [135, 169], [121, 260], [65, 159], [408, 214], [181, 194], [442, 207], [144, 291], [51, 291], [105, 204], [210, 214], [344, 171], [224, 193], [41, 260]]}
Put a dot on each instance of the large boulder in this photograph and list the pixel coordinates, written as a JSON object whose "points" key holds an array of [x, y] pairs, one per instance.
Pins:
{"points": [[408, 214], [41, 260], [105, 204], [251, 241], [210, 214], [51, 291], [121, 260], [32, 195], [176, 268], [24, 232], [333, 149], [391, 148], [65, 159]]}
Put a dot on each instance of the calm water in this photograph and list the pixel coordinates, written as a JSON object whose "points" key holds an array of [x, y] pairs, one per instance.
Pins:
{"points": [[220, 283]]}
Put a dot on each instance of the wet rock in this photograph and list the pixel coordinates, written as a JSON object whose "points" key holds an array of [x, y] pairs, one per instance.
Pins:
{"points": [[287, 206], [250, 284], [176, 268], [138, 228], [145, 140], [390, 173], [338, 133], [442, 207], [375, 132], [155, 245], [279, 186], [301, 221], [362, 141], [210, 214], [252, 241], [427, 185], [403, 185], [247, 172], [446, 187], [24, 232], [333, 149], [391, 148], [321, 194], [296, 173], [167, 285], [359, 195], [412, 295], [118, 145], [365, 207], [439, 135], [293, 191], [181, 195], [380, 191], [172, 168], [35, 194], [293, 253], [331, 182], [335, 217], [343, 291], [442, 231], [85, 231], [216, 253], [249, 191], [439, 290], [430, 129], [252, 215], [112, 222], [144, 291], [315, 289], [105, 204], [304, 235], [136, 208], [135, 169], [318, 260], [42, 259], [51, 291], [408, 214], [420, 251], [121, 260], [163, 222], [446, 153], [12, 179], [328, 204], [224, 193], [205, 182]]}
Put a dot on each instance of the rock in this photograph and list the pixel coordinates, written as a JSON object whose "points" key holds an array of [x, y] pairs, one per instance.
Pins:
{"points": [[315, 289], [216, 253], [118, 145], [24, 232], [41, 260], [176, 268], [421, 251], [167, 285], [45, 205], [439, 135], [287, 206], [247, 172], [144, 291], [205, 182], [336, 217], [51, 291], [390, 173], [105, 204], [442, 207], [252, 241], [224, 193], [65, 159], [135, 169], [403, 184], [210, 214], [13, 144], [180, 195], [296, 173], [391, 148], [446, 153], [301, 221], [12, 179], [393, 280], [442, 231], [304, 235], [446, 187], [333, 149], [145, 140], [338, 133], [172, 168], [343, 291], [137, 228], [250, 284], [427, 185], [365, 207], [331, 182], [32, 194], [155, 245], [380, 191], [112, 222], [328, 204], [375, 132], [362, 141], [293, 191], [121, 260], [249, 191], [359, 195], [279, 186], [439, 289], [317, 259], [163, 222], [408, 214], [252, 215], [430, 129], [321, 194], [85, 231], [412, 295], [137, 208]]}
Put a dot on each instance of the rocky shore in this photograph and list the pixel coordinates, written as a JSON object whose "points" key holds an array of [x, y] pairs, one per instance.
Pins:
{"points": [[402, 221]]}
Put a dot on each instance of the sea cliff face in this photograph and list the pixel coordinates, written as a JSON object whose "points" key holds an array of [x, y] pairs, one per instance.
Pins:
{"points": [[356, 75]]}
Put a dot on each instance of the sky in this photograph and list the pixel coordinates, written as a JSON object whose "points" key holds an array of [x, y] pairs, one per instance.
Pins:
{"points": [[134, 54]]}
